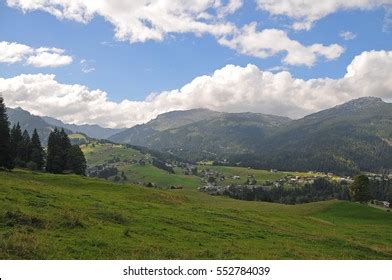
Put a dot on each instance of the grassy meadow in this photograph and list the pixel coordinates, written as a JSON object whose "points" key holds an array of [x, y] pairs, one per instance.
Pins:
{"points": [[261, 176], [44, 216], [136, 173]]}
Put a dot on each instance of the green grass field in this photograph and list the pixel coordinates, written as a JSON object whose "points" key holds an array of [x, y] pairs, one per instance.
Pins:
{"points": [[260, 175], [135, 173], [97, 154], [45, 216]]}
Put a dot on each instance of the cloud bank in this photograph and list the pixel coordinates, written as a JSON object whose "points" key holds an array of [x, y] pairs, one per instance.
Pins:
{"points": [[306, 12], [230, 89], [143, 20], [11, 52], [270, 42]]}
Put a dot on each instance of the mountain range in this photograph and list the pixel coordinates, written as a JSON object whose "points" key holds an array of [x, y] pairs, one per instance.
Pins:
{"points": [[201, 134], [45, 125], [352, 137]]}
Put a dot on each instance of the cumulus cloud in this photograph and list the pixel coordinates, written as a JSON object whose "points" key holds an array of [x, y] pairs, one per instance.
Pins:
{"points": [[347, 35], [306, 12], [142, 20], [139, 21], [270, 42], [230, 89], [11, 52]]}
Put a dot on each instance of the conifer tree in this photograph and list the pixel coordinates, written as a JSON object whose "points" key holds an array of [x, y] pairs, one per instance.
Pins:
{"points": [[37, 152], [54, 163], [65, 143], [6, 160], [25, 147], [16, 139], [59, 146], [76, 160]]}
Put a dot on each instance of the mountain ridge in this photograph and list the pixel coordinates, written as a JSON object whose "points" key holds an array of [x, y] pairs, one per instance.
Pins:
{"points": [[352, 136], [45, 125]]}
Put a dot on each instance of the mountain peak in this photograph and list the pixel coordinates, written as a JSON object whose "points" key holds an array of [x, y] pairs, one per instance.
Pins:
{"points": [[366, 100], [363, 102], [360, 104], [181, 113]]}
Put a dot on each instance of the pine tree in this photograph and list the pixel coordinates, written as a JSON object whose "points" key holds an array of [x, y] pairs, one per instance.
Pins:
{"points": [[55, 157], [58, 150], [16, 140], [65, 143], [6, 160], [76, 160], [25, 148], [37, 152]]}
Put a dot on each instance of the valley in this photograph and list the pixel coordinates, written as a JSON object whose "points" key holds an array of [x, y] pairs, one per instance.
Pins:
{"points": [[201, 197]]}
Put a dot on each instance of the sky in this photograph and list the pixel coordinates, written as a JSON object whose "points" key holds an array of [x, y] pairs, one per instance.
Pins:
{"points": [[119, 63]]}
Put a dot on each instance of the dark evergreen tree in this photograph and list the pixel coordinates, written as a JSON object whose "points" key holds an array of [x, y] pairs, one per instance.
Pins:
{"points": [[55, 158], [65, 144], [6, 160], [25, 148], [37, 152], [359, 189], [76, 160], [59, 154], [16, 142]]}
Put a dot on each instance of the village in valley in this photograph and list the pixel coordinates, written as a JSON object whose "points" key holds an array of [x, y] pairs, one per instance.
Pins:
{"points": [[123, 164]]}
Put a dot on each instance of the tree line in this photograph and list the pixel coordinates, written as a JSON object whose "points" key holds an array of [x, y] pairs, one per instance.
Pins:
{"points": [[17, 149], [361, 190], [320, 190]]}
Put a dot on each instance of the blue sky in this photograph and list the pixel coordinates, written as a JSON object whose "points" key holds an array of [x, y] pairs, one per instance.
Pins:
{"points": [[132, 70]]}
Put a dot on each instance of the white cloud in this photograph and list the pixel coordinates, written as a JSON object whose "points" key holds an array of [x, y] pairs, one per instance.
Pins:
{"points": [[347, 35], [387, 26], [270, 42], [231, 89], [13, 52], [86, 66], [42, 57], [142, 20], [49, 57], [306, 12]]}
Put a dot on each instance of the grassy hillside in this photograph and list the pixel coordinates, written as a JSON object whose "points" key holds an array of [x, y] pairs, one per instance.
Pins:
{"points": [[46, 216], [129, 158], [97, 154], [202, 134]]}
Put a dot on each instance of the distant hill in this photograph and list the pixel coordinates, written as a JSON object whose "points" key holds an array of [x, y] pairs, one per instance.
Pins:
{"points": [[45, 125], [30, 122], [350, 137], [345, 139], [94, 131], [138, 134], [202, 134], [355, 136]]}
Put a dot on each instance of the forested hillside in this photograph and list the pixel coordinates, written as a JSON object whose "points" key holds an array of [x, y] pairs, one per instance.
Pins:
{"points": [[345, 139]]}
